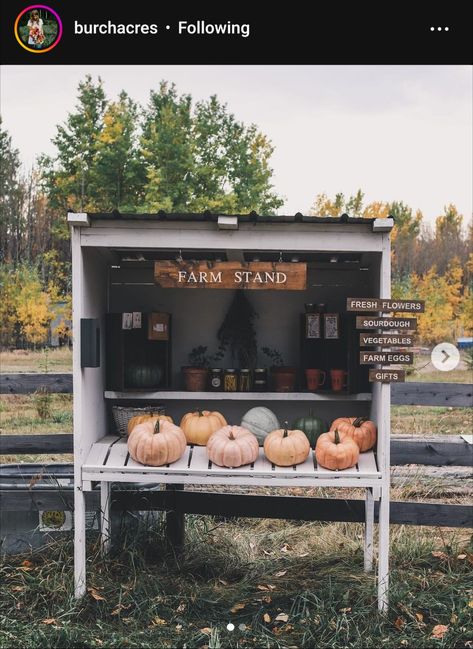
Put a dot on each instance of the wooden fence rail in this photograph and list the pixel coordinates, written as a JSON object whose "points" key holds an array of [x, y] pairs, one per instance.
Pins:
{"points": [[421, 394]]}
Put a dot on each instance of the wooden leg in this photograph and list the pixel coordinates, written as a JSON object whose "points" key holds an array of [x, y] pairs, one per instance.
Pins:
{"points": [[175, 523], [105, 520], [79, 543], [369, 529], [383, 563]]}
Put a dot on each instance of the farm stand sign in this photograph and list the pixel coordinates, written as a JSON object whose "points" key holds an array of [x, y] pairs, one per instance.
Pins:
{"points": [[372, 322], [387, 376], [388, 358], [231, 275]]}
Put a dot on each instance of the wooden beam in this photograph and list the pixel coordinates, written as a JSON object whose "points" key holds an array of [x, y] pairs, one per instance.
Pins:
{"points": [[27, 444], [446, 450], [243, 506], [432, 394], [28, 383]]}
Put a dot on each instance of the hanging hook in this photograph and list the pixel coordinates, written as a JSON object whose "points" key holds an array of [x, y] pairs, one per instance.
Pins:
{"points": [[179, 256], [280, 256]]}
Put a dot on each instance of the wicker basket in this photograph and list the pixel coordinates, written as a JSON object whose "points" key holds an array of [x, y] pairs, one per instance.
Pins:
{"points": [[123, 414]]}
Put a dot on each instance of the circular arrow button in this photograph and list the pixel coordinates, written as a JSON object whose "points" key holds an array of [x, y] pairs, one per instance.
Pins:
{"points": [[445, 357]]}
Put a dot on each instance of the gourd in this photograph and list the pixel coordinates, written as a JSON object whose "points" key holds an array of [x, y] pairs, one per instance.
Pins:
{"points": [[155, 443], [232, 446], [260, 421], [312, 426], [360, 429], [199, 425], [285, 447], [334, 450], [140, 375], [140, 419]]}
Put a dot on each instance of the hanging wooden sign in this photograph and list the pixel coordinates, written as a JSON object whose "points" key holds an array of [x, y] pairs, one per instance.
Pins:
{"points": [[387, 376], [362, 304], [388, 358], [372, 322], [388, 340], [231, 274]]}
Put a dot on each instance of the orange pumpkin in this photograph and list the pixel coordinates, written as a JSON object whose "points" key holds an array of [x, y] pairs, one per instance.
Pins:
{"points": [[199, 425], [360, 429], [285, 447], [140, 419], [335, 451], [155, 443], [232, 446]]}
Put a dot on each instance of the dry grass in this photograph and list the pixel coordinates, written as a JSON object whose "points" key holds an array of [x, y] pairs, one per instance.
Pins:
{"points": [[247, 573], [53, 360]]}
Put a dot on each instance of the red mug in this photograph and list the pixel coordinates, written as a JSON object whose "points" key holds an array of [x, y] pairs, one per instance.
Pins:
{"points": [[315, 379], [338, 379]]}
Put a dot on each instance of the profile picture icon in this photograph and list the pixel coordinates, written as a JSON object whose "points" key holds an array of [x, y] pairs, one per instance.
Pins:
{"points": [[38, 29]]}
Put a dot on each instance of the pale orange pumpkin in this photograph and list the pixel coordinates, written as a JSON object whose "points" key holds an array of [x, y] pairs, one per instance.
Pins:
{"points": [[140, 419], [155, 443], [285, 447], [336, 451], [232, 446], [359, 429], [199, 425]]}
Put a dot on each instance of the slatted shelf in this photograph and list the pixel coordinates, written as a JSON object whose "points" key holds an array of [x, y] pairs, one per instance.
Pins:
{"points": [[183, 395], [110, 461]]}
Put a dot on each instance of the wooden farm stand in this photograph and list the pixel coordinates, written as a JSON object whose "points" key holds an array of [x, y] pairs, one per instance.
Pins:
{"points": [[113, 259]]}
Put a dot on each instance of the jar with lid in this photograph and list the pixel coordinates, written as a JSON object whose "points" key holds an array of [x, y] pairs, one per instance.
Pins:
{"points": [[244, 381], [260, 379], [230, 380], [216, 379]]}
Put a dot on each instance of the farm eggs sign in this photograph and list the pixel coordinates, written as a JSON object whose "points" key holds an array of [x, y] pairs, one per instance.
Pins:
{"points": [[231, 275]]}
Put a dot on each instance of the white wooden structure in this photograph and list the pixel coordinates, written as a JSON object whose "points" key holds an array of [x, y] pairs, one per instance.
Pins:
{"points": [[104, 280]]}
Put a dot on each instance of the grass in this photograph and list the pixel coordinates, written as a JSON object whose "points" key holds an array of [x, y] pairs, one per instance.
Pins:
{"points": [[246, 573], [22, 360]]}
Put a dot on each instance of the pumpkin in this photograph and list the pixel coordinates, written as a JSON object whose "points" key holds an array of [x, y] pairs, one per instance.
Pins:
{"points": [[232, 446], [155, 443], [285, 447], [199, 425], [141, 375], [139, 419], [360, 429], [260, 421], [312, 426], [336, 451]]}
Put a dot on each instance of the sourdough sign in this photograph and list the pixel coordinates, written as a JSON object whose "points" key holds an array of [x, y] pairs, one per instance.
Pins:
{"points": [[231, 275]]}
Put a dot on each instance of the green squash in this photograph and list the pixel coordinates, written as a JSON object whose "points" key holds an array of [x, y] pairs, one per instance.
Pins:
{"points": [[141, 376], [312, 426], [260, 421]]}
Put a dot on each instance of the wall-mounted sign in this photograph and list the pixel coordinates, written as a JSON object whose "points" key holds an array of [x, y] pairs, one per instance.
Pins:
{"points": [[361, 304], [331, 326], [388, 340], [387, 376], [231, 275], [389, 358], [372, 322], [312, 325]]}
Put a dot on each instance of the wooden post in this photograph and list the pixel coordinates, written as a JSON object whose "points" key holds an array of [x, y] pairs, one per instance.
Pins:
{"points": [[369, 528], [105, 520], [175, 522]]}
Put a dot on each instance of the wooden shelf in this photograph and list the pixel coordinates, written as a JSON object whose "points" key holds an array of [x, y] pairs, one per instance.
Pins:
{"points": [[184, 395]]}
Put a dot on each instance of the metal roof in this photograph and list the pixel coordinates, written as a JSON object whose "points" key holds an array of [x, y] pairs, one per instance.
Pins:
{"points": [[252, 217]]}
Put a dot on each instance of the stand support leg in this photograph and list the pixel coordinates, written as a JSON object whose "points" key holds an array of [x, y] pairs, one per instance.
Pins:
{"points": [[383, 565], [369, 529], [79, 543], [175, 522], [105, 520]]}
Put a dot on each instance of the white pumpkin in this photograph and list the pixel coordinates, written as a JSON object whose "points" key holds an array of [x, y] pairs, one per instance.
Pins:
{"points": [[260, 421]]}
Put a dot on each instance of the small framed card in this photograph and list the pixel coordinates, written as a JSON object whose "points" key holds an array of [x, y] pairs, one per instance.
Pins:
{"points": [[331, 326], [158, 326], [312, 325], [127, 320], [136, 319]]}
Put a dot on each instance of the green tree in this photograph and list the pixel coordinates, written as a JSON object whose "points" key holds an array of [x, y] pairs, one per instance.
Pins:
{"points": [[118, 175], [11, 225], [70, 176]]}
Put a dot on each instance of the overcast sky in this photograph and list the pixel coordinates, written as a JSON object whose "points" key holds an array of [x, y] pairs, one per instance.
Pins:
{"points": [[396, 132]]}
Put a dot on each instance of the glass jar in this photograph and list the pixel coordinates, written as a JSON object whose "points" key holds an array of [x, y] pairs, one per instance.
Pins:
{"points": [[216, 379], [260, 379], [230, 380], [244, 381]]}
